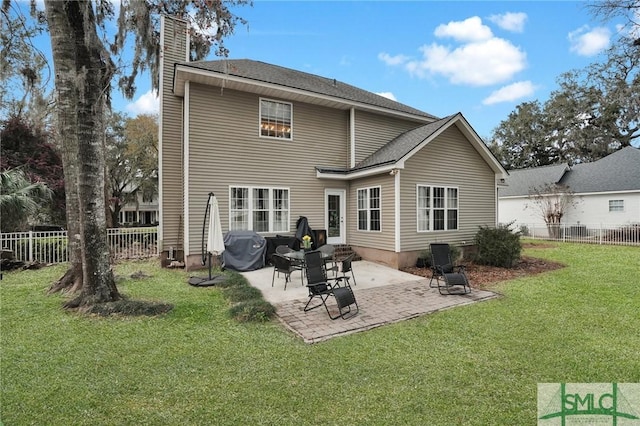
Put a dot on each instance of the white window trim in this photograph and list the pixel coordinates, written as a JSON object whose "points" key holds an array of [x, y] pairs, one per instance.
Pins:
{"points": [[290, 138], [368, 209], [619, 204], [431, 208], [271, 210]]}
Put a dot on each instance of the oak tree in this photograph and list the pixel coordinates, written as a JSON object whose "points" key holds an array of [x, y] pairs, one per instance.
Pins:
{"points": [[86, 61]]}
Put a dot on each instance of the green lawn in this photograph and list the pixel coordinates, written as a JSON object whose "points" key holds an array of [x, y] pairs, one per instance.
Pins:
{"points": [[478, 364]]}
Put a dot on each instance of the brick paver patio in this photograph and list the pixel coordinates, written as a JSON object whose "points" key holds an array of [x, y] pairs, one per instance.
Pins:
{"points": [[378, 306]]}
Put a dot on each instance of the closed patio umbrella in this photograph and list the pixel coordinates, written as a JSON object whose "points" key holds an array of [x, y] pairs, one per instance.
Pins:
{"points": [[215, 241]]}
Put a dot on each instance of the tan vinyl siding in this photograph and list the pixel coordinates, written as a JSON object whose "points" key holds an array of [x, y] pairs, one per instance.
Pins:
{"points": [[385, 238], [373, 131], [225, 150], [171, 165], [449, 160]]}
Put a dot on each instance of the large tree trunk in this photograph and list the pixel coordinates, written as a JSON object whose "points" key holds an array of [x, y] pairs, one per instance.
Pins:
{"points": [[82, 78], [71, 281]]}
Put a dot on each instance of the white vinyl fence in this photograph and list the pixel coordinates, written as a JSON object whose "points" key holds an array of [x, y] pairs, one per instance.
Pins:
{"points": [[627, 234], [51, 246]]}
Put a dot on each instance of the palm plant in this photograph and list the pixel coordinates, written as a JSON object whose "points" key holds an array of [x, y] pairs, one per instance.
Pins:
{"points": [[19, 198]]}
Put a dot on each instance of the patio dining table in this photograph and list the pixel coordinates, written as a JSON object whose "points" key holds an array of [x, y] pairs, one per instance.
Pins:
{"points": [[298, 255]]}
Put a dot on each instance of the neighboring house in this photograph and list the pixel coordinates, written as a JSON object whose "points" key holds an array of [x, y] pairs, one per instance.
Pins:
{"points": [[606, 191], [274, 144], [144, 211]]}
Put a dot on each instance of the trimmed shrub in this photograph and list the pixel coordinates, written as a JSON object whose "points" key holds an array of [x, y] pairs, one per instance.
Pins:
{"points": [[455, 253], [498, 246], [424, 259]]}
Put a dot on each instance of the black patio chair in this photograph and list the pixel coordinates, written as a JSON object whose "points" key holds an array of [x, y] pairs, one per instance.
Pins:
{"points": [[345, 268], [329, 252], [282, 264], [322, 287], [297, 264], [450, 278]]}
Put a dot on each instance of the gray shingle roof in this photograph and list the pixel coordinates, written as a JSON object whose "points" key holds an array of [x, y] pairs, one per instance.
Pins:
{"points": [[286, 77], [619, 171], [395, 150], [400, 146]]}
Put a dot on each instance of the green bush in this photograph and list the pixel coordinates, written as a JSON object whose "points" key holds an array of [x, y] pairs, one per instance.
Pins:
{"points": [[455, 253], [498, 246], [424, 259]]}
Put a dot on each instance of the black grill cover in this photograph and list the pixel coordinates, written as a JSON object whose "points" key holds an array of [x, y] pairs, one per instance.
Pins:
{"points": [[303, 228], [243, 251]]}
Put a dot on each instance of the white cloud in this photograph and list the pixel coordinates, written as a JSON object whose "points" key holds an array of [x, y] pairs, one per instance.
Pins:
{"points": [[479, 59], [392, 60], [477, 64], [510, 93], [471, 29], [145, 104], [588, 42], [387, 95], [510, 21]]}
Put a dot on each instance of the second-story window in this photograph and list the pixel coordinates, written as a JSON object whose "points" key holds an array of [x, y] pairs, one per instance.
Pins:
{"points": [[275, 119]]}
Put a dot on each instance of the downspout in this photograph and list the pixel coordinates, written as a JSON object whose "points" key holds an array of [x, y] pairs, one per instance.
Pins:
{"points": [[352, 137], [185, 138], [396, 192]]}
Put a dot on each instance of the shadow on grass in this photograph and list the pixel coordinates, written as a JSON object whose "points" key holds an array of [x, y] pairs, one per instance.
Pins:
{"points": [[126, 307]]}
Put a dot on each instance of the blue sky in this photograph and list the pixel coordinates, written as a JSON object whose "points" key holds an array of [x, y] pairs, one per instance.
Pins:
{"points": [[479, 58]]}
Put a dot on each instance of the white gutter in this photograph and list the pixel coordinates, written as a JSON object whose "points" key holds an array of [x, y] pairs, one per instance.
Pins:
{"points": [[182, 68]]}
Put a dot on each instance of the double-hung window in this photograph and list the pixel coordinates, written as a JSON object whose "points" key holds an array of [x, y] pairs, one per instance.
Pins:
{"points": [[259, 209], [437, 208], [275, 119], [616, 205], [369, 213]]}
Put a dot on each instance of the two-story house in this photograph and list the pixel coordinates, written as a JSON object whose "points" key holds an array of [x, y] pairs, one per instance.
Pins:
{"points": [[275, 144]]}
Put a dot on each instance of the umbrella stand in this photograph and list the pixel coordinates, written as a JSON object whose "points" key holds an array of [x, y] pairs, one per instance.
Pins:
{"points": [[211, 280]]}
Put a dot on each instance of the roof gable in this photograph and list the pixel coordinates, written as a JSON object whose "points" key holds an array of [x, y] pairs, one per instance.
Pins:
{"points": [[523, 181], [393, 154], [401, 146]]}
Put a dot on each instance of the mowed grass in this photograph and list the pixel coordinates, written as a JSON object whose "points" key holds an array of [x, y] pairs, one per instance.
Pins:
{"points": [[478, 364]]}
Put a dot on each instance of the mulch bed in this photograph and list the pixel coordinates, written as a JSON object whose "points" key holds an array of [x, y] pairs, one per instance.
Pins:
{"points": [[482, 276]]}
